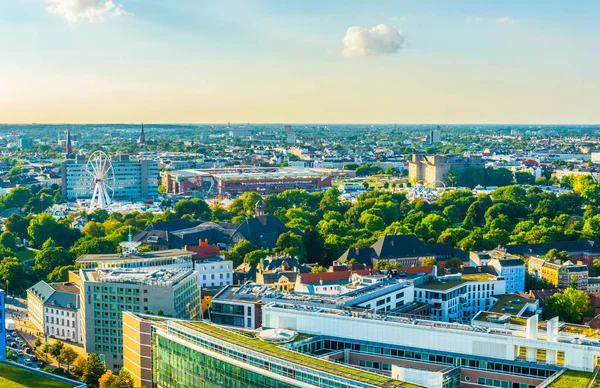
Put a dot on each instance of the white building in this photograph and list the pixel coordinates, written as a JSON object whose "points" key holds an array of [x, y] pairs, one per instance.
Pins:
{"points": [[459, 297], [135, 179], [560, 346], [214, 272], [54, 310]]}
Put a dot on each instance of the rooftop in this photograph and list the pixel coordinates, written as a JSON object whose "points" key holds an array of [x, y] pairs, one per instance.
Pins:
{"points": [[270, 349], [138, 256], [510, 303], [12, 376], [162, 277], [249, 292], [442, 285]]}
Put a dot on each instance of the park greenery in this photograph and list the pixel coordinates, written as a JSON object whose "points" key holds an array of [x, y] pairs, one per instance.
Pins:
{"points": [[322, 226]]}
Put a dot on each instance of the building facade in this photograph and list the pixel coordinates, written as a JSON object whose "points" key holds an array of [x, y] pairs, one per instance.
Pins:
{"points": [[561, 275], [432, 170], [135, 179], [214, 272], [54, 309], [105, 294], [239, 306]]}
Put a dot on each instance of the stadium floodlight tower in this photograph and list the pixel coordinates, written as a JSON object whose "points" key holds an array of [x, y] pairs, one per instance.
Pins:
{"points": [[100, 168]]}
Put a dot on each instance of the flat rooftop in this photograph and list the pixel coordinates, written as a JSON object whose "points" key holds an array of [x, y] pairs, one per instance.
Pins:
{"points": [[270, 349], [441, 285], [162, 277], [169, 253], [510, 303], [245, 293], [12, 376]]}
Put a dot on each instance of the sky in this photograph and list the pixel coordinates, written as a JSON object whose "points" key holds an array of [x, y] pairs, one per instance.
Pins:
{"points": [[309, 61]]}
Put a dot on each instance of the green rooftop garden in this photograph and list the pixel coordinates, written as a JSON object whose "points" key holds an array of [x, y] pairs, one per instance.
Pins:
{"points": [[479, 277], [15, 377], [275, 351], [509, 303], [572, 379]]}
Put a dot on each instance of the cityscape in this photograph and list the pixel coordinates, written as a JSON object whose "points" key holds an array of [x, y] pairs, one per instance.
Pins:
{"points": [[299, 194]]}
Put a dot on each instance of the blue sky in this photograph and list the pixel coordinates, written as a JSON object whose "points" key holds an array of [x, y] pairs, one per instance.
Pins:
{"points": [[299, 61]]}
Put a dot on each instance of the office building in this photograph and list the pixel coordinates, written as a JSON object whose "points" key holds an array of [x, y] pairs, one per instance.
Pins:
{"points": [[106, 293], [25, 143], [239, 306], [432, 170], [135, 179], [330, 347], [561, 275], [169, 258], [54, 309]]}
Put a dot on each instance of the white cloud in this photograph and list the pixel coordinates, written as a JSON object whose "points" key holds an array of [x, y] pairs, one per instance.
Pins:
{"points": [[506, 20], [478, 19], [379, 40], [86, 10]]}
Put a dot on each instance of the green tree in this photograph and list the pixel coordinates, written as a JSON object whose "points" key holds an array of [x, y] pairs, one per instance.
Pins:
{"points": [[429, 261], [291, 244], [195, 207], [314, 246], [391, 170], [245, 204], [455, 262], [524, 178], [318, 269], [61, 274], [372, 222], [94, 369], [56, 348], [331, 200], [591, 227], [239, 252], [555, 254], [107, 380], [94, 245], [52, 256], [570, 306], [11, 273], [43, 226], [67, 356], [79, 365], [93, 229], [17, 197], [18, 225], [254, 257], [9, 241]]}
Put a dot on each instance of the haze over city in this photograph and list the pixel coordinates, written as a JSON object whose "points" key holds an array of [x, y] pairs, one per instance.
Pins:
{"points": [[124, 61]]}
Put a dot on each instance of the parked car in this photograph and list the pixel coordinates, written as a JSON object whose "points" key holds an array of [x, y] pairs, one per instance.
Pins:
{"points": [[33, 358], [19, 352], [27, 350], [41, 364], [15, 334], [19, 340], [27, 361], [13, 345]]}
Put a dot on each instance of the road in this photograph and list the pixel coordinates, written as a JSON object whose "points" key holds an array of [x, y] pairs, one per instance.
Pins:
{"points": [[16, 308]]}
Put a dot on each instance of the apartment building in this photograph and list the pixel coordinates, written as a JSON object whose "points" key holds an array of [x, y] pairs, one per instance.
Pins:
{"points": [[54, 309], [560, 274], [135, 179], [214, 272], [511, 267], [106, 293]]}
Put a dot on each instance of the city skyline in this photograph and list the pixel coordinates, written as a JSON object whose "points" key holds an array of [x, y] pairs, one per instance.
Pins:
{"points": [[100, 61]]}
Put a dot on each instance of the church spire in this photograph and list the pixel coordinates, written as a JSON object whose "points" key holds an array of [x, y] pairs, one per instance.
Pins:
{"points": [[68, 143], [142, 138]]}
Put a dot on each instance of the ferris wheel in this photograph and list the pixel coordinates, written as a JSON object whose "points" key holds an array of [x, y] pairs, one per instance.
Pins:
{"points": [[101, 169]]}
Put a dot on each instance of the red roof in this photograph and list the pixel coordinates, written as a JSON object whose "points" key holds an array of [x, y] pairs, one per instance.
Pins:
{"points": [[202, 252], [415, 270], [329, 276]]}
